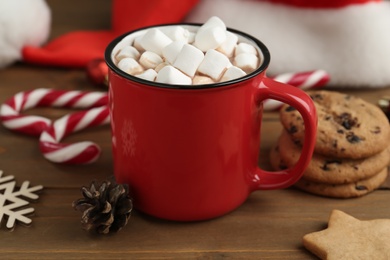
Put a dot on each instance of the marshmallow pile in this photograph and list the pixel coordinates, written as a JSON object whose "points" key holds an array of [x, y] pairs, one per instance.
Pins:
{"points": [[177, 55]]}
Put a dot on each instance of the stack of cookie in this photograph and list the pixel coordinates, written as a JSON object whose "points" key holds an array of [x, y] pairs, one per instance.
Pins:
{"points": [[352, 150]]}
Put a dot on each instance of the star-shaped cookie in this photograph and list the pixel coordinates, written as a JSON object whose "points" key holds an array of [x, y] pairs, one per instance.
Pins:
{"points": [[349, 238]]}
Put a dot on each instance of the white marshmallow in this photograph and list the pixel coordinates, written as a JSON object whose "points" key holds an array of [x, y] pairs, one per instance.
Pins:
{"points": [[149, 74], [154, 40], [245, 48], [214, 64], [211, 34], [127, 52], [246, 61], [229, 45], [171, 51], [160, 66], [130, 66], [137, 43], [210, 38], [201, 80], [150, 60], [177, 33], [233, 73], [175, 54], [213, 21], [191, 37], [171, 75], [126, 41], [188, 59]]}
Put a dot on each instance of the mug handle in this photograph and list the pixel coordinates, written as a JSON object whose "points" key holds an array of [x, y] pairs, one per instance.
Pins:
{"points": [[270, 89]]}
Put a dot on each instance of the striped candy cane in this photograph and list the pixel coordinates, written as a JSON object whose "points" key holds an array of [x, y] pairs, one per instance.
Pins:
{"points": [[51, 134], [10, 111], [302, 80], [73, 153]]}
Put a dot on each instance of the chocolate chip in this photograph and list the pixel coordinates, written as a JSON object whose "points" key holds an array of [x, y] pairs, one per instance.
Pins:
{"points": [[325, 167], [282, 166], [346, 120], [317, 96], [293, 129], [289, 109], [340, 131], [327, 118], [352, 138], [376, 130], [297, 142], [335, 144], [360, 187]]}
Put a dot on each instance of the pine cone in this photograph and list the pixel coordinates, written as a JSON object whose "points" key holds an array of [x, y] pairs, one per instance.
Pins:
{"points": [[104, 208]]}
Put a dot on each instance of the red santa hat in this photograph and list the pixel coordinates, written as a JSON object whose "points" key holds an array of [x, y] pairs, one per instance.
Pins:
{"points": [[348, 39], [77, 49], [329, 4], [22, 22]]}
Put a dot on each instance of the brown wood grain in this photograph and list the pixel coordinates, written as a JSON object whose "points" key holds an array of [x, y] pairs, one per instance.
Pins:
{"points": [[269, 225]]}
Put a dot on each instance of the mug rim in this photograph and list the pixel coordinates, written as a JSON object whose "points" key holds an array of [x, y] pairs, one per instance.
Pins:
{"points": [[263, 66]]}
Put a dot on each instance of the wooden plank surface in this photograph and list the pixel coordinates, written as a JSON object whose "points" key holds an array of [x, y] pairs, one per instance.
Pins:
{"points": [[269, 225]]}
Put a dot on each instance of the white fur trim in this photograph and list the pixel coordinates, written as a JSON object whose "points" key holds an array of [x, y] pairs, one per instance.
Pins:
{"points": [[22, 22], [352, 44]]}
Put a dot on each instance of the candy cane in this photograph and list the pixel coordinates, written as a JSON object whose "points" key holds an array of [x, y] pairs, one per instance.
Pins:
{"points": [[302, 80], [51, 134], [74, 153], [34, 125]]}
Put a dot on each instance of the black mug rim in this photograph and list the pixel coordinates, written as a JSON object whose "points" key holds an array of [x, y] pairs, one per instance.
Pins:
{"points": [[260, 69]]}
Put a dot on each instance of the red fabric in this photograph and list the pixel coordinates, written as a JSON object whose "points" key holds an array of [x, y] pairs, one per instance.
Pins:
{"points": [[72, 50], [148, 12], [77, 49], [322, 3]]}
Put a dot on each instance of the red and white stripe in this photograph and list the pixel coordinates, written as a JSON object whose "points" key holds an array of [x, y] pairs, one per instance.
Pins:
{"points": [[73, 153], [303, 80], [52, 133], [10, 111]]}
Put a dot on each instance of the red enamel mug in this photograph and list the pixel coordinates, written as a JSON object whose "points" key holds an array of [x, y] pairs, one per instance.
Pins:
{"points": [[190, 152]]}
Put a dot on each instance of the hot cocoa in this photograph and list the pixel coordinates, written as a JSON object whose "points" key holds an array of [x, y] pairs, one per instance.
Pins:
{"points": [[187, 56]]}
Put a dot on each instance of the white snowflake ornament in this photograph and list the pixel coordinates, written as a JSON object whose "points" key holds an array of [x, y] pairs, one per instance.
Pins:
{"points": [[10, 202]]}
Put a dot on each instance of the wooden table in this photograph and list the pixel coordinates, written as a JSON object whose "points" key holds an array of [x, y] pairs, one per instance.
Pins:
{"points": [[269, 225]]}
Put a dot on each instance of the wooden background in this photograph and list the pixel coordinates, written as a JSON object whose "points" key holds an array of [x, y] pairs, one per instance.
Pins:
{"points": [[269, 225]]}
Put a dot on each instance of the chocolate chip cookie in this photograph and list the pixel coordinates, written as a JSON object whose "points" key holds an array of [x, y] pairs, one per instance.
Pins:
{"points": [[349, 190], [275, 159], [348, 126], [332, 170]]}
